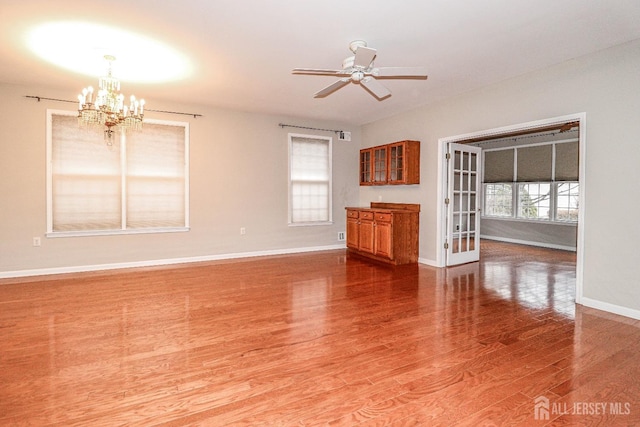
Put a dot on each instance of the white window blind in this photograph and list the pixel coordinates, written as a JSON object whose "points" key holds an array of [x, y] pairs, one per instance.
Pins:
{"points": [[137, 184], [156, 177], [309, 179]]}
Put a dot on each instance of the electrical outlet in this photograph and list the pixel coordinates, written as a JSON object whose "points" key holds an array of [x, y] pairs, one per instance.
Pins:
{"points": [[341, 236], [243, 231], [37, 241]]}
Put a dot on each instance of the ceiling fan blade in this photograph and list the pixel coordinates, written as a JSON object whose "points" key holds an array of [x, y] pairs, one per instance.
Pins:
{"points": [[319, 72], [331, 88], [390, 72], [375, 87], [364, 56]]}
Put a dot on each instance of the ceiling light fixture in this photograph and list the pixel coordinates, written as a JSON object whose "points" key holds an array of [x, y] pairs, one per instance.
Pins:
{"points": [[107, 107]]}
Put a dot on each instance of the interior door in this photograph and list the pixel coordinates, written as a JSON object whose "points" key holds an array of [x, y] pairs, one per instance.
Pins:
{"points": [[463, 204]]}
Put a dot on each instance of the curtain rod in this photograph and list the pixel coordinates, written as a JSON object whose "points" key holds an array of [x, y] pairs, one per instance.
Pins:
{"points": [[39, 98], [516, 138], [284, 125]]}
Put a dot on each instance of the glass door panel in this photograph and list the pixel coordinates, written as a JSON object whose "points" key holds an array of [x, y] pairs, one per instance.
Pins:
{"points": [[462, 212]]}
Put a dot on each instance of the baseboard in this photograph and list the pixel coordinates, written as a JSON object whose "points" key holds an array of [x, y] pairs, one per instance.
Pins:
{"points": [[610, 308], [428, 262], [161, 262], [529, 243]]}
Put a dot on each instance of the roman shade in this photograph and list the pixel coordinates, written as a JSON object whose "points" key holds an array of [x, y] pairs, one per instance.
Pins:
{"points": [[535, 163], [498, 165], [567, 161]]}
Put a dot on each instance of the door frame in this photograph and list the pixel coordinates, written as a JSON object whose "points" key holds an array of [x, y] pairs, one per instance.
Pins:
{"points": [[441, 211]]}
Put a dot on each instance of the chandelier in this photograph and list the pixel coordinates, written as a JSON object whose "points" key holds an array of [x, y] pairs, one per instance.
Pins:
{"points": [[107, 108]]}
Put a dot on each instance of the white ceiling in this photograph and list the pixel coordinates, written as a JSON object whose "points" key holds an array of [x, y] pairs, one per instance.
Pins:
{"points": [[242, 52]]}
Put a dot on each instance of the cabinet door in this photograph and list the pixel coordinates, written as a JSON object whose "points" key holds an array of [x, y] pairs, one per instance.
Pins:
{"points": [[396, 163], [366, 236], [353, 234], [380, 166], [383, 240], [366, 163], [404, 162]]}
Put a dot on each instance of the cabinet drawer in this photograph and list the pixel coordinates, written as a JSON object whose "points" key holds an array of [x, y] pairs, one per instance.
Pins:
{"points": [[383, 217], [352, 214], [366, 215]]}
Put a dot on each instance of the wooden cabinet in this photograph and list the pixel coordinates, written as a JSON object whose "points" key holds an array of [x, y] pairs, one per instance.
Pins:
{"points": [[386, 232], [391, 164]]}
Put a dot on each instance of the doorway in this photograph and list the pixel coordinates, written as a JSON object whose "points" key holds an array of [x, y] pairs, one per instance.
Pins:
{"points": [[445, 228]]}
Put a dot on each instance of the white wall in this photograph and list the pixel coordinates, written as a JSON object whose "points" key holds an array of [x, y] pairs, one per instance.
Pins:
{"points": [[537, 233], [606, 86], [238, 178], [239, 175]]}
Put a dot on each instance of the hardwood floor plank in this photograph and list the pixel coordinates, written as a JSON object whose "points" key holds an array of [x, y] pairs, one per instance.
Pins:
{"points": [[314, 339]]}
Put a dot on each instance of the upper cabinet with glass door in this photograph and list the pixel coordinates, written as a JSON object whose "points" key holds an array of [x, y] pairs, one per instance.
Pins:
{"points": [[395, 163]]}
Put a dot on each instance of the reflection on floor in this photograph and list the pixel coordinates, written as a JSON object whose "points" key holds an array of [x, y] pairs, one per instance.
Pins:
{"points": [[537, 278], [317, 339]]}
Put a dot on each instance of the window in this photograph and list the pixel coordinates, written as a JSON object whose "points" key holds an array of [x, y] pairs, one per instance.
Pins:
{"points": [[498, 200], [309, 180], [567, 195], [534, 201], [532, 182], [137, 184]]}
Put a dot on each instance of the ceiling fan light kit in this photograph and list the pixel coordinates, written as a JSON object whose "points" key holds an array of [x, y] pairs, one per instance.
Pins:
{"points": [[360, 69]]}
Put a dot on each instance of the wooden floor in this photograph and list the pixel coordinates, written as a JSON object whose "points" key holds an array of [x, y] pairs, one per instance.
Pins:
{"points": [[317, 339]]}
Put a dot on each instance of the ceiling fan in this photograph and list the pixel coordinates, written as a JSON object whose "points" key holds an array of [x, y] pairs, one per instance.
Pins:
{"points": [[360, 69]]}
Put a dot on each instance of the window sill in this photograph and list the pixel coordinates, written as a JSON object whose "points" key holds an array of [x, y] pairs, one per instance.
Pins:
{"points": [[531, 221], [57, 234], [309, 224]]}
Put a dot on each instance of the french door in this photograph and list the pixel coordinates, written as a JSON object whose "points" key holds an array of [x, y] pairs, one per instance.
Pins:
{"points": [[463, 204]]}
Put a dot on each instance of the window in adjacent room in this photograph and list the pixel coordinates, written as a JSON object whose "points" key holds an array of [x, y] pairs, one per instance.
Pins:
{"points": [[567, 195], [138, 184], [499, 200], [309, 180], [532, 182], [534, 200]]}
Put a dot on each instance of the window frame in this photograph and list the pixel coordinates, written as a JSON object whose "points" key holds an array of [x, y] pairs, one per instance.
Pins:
{"points": [[485, 210], [515, 185], [123, 230], [290, 181], [515, 202], [538, 204]]}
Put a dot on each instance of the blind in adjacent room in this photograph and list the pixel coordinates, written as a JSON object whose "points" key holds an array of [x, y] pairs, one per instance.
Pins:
{"points": [[535, 163], [498, 165], [567, 161]]}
